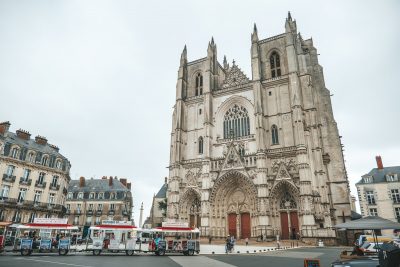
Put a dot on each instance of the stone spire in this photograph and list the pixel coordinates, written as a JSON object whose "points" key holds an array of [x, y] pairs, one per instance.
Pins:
{"points": [[254, 35], [184, 56], [226, 65]]}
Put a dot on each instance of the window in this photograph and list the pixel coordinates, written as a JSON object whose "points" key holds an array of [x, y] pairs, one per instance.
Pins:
{"points": [[113, 196], [397, 213], [275, 65], [100, 207], [367, 179], [274, 134], [98, 220], [112, 206], [27, 173], [269, 93], [44, 160], [236, 122], [80, 195], [200, 145], [370, 197], [395, 195], [41, 178], [54, 181], [37, 196], [91, 196], [241, 151], [373, 212], [21, 195], [101, 195], [76, 220], [17, 216], [68, 206], [200, 111], [52, 198], [90, 206], [10, 170], [391, 177], [70, 195], [32, 217], [78, 207], [31, 157], [89, 220], [58, 164], [5, 190], [14, 152], [199, 84]]}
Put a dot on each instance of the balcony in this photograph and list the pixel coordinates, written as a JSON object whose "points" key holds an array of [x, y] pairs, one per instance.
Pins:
{"points": [[125, 213], [23, 181], [89, 212], [67, 212], [99, 212], [40, 185], [54, 187], [77, 212], [111, 212], [9, 178]]}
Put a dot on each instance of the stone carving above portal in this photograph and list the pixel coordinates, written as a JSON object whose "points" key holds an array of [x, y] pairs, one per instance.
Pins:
{"points": [[232, 159], [234, 77]]}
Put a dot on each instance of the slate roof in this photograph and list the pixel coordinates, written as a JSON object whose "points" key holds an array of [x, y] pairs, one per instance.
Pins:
{"points": [[355, 216], [12, 138], [379, 175], [163, 191], [97, 185]]}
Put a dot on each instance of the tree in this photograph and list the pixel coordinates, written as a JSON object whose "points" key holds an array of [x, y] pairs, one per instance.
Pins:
{"points": [[162, 205]]}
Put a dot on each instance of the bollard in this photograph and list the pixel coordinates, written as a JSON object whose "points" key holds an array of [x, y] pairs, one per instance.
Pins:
{"points": [[213, 252], [247, 251], [238, 252]]}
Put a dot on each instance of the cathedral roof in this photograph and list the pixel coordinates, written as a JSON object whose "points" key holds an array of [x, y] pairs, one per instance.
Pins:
{"points": [[163, 191], [379, 175]]}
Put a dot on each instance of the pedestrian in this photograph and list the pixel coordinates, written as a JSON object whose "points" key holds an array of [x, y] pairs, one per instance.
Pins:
{"points": [[247, 241], [262, 238], [209, 240]]}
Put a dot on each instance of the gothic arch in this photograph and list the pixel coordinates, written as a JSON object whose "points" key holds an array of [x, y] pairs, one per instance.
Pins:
{"points": [[283, 185], [226, 105], [190, 207]]}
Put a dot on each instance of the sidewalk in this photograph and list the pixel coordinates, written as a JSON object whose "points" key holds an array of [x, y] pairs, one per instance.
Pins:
{"points": [[238, 249]]}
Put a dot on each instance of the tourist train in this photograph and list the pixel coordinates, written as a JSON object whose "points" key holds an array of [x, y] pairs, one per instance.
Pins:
{"points": [[50, 235]]}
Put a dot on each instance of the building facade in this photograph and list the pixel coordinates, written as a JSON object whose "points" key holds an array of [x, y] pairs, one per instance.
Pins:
{"points": [[35, 177], [258, 156], [379, 192], [90, 201], [158, 207]]}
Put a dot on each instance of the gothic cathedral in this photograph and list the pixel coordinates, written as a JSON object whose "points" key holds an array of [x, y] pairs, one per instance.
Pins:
{"points": [[260, 156]]}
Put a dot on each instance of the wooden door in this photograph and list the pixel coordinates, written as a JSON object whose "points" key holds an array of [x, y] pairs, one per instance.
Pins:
{"points": [[294, 224], [245, 225], [284, 225], [192, 222], [232, 224]]}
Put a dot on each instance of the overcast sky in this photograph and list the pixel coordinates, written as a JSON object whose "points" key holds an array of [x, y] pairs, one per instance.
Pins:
{"points": [[97, 78]]}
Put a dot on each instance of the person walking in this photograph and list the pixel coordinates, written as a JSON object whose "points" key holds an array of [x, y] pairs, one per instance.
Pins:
{"points": [[247, 241]]}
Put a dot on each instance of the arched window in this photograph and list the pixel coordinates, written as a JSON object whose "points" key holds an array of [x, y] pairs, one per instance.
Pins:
{"points": [[287, 201], [44, 160], [199, 84], [200, 145], [15, 152], [274, 133], [275, 65], [236, 122]]}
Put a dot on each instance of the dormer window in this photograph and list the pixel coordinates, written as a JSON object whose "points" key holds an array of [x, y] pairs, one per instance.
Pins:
{"points": [[14, 152], [391, 177], [101, 195], [367, 179], [44, 160], [70, 195], [80, 195], [91, 196], [58, 164]]}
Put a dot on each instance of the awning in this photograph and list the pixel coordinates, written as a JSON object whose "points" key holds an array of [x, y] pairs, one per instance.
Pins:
{"points": [[369, 223]]}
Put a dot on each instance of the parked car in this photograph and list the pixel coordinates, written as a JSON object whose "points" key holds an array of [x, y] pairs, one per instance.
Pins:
{"points": [[366, 262], [370, 247]]}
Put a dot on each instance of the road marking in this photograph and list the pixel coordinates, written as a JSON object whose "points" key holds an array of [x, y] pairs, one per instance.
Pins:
{"points": [[198, 261], [293, 254], [55, 262]]}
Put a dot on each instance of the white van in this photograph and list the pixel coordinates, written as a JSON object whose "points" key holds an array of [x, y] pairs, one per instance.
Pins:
{"points": [[370, 239]]}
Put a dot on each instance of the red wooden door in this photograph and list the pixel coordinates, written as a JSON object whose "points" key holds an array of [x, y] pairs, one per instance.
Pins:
{"points": [[294, 224], [284, 225], [245, 225], [232, 224]]}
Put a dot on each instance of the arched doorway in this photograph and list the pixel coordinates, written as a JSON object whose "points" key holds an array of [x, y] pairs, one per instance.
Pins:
{"points": [[285, 197], [190, 206], [233, 201]]}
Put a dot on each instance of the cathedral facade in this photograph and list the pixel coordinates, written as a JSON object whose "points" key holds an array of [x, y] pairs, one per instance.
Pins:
{"points": [[259, 156]]}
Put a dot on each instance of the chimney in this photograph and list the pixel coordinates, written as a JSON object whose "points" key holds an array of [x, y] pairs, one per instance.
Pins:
{"points": [[82, 181], [123, 181], [110, 181], [129, 185], [379, 162], [166, 180], [23, 134], [4, 127], [54, 147], [41, 140]]}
